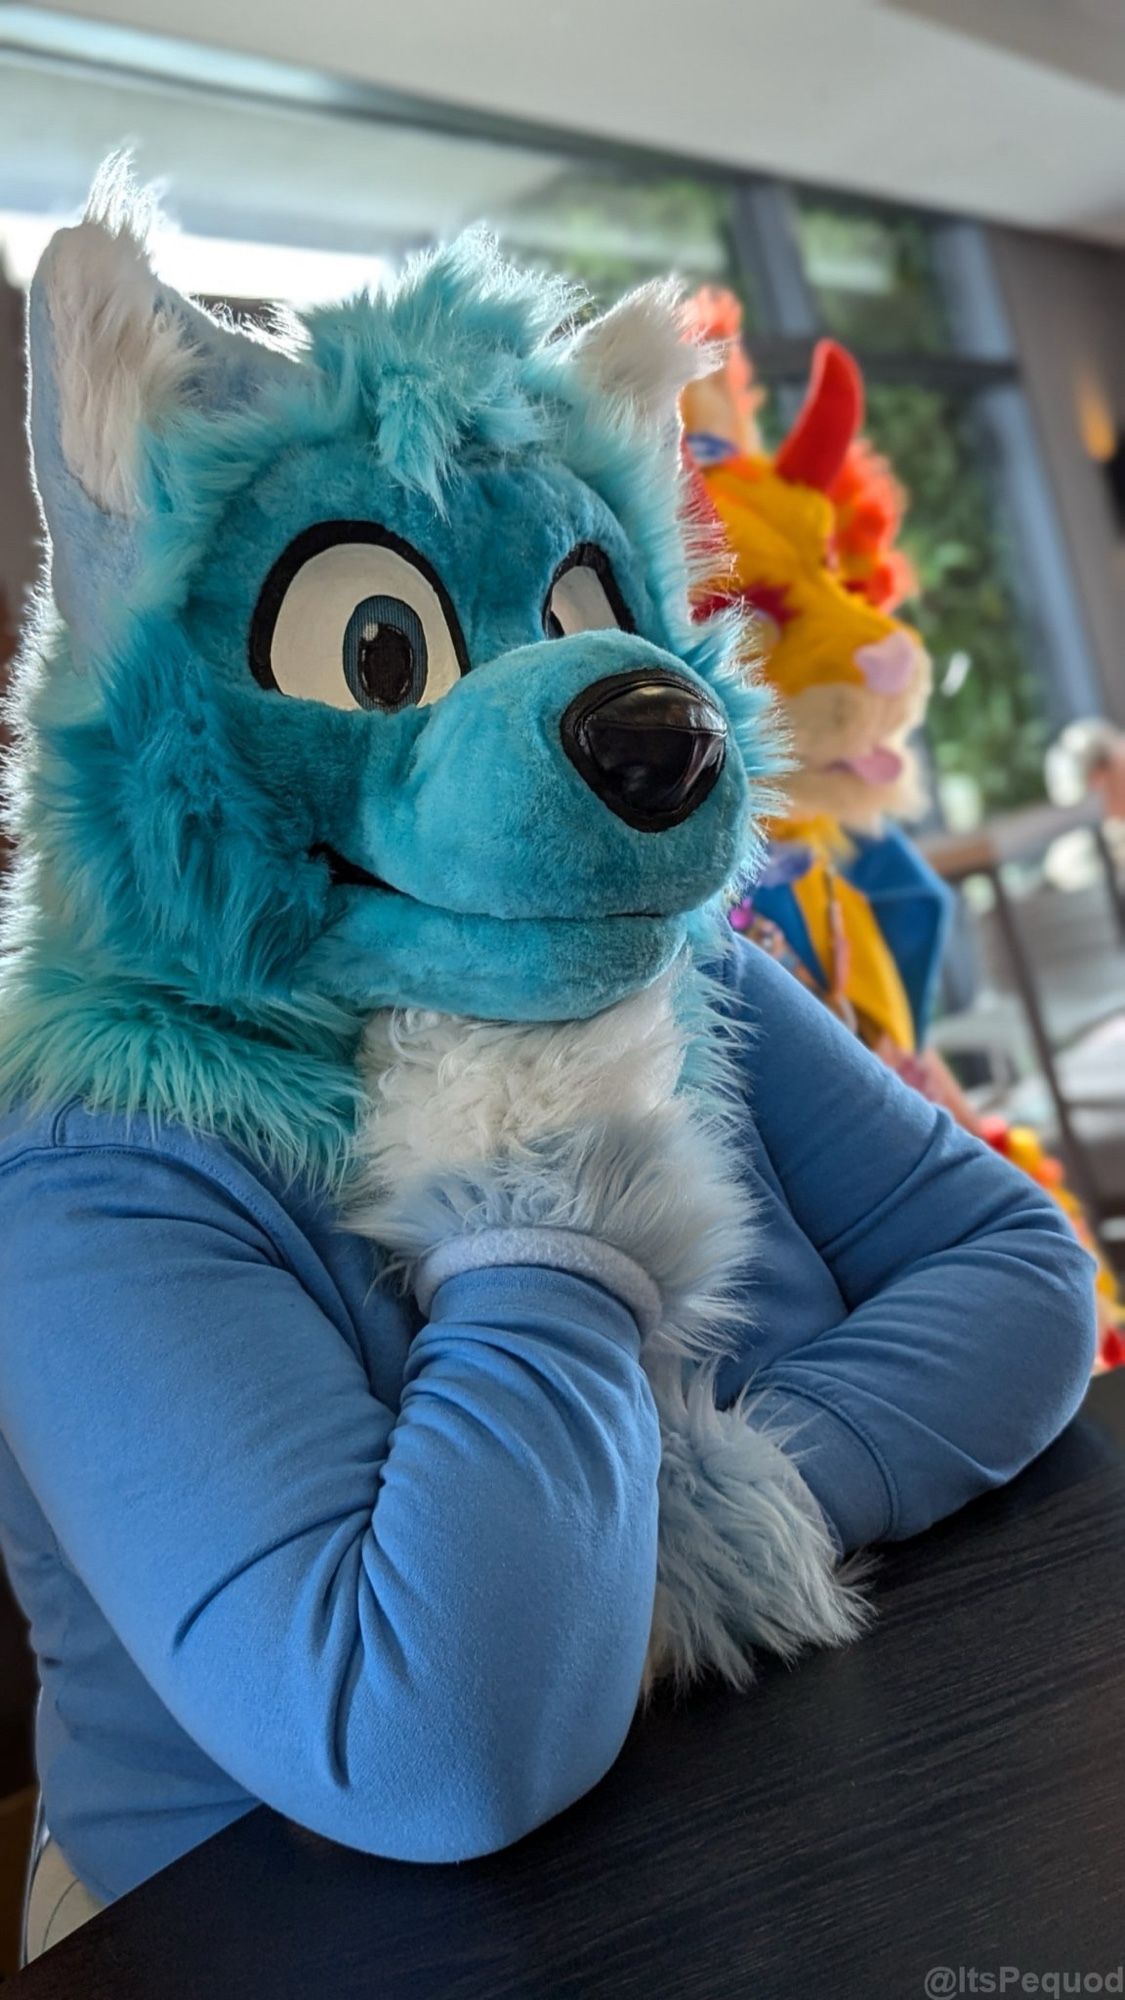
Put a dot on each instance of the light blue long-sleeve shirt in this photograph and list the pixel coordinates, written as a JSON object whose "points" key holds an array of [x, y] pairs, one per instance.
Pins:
{"points": [[280, 1541]]}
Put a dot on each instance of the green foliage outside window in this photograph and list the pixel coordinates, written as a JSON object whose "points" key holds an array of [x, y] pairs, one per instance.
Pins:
{"points": [[873, 276], [987, 719], [611, 233]]}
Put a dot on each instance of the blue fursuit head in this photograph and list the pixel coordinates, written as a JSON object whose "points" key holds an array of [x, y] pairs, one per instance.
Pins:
{"points": [[377, 797]]}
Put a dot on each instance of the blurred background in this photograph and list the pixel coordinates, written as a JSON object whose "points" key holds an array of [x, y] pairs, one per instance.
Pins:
{"points": [[940, 183]]}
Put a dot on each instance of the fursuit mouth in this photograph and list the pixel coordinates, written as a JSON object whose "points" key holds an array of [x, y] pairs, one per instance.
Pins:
{"points": [[881, 766], [345, 874]]}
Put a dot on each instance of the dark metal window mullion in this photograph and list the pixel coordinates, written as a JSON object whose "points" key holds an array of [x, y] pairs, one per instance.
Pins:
{"points": [[767, 251], [1039, 571]]}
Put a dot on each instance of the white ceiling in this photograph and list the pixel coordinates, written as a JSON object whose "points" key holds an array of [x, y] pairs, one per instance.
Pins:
{"points": [[1010, 109]]}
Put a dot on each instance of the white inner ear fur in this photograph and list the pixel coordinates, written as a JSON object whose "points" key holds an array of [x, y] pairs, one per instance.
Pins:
{"points": [[119, 356], [640, 352]]}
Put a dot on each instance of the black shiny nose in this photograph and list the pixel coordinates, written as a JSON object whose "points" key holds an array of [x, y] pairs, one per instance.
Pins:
{"points": [[649, 744]]}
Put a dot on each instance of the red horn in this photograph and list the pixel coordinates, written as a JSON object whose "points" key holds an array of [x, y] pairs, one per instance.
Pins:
{"points": [[832, 413]]}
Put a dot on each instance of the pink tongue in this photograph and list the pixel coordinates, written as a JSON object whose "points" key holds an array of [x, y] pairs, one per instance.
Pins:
{"points": [[876, 767]]}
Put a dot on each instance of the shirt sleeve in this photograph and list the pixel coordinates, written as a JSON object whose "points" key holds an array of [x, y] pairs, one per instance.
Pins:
{"points": [[420, 1633], [969, 1333]]}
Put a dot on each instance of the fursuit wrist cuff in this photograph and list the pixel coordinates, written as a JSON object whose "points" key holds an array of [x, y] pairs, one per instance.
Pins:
{"points": [[551, 1249]]}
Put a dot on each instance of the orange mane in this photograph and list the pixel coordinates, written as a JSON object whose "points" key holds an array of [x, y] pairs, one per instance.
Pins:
{"points": [[714, 316], [870, 505]]}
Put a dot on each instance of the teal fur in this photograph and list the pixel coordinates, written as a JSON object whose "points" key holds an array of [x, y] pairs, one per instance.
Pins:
{"points": [[171, 948]]}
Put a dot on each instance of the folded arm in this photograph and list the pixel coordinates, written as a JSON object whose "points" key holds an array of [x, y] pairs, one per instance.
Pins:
{"points": [[418, 1633], [969, 1332]]}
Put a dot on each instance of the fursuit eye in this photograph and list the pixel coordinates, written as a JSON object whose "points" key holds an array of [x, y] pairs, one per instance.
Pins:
{"points": [[385, 655], [352, 615], [585, 596]]}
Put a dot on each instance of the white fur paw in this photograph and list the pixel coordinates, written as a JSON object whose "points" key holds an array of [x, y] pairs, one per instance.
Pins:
{"points": [[745, 1556]]}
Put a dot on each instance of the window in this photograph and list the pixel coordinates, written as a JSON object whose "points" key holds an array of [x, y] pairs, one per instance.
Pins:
{"points": [[315, 201], [873, 276], [613, 231]]}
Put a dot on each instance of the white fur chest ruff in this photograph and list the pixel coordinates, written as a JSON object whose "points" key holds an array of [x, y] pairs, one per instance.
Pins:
{"points": [[577, 1145]]}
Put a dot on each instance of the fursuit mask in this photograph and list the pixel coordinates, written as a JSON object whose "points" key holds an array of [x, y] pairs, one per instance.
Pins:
{"points": [[811, 532], [374, 680]]}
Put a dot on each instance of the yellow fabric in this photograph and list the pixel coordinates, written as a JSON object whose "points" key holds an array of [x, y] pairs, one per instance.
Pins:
{"points": [[871, 982], [819, 831]]}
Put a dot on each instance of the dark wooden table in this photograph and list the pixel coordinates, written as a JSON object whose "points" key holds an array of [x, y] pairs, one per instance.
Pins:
{"points": [[950, 1793]]}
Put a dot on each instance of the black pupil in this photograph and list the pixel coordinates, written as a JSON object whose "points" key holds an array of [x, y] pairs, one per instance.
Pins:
{"points": [[385, 667], [385, 654]]}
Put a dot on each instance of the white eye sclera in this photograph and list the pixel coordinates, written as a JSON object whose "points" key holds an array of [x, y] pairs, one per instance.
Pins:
{"points": [[585, 596], [352, 616]]}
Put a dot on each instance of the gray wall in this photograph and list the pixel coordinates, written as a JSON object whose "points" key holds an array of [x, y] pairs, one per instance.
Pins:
{"points": [[1066, 305]]}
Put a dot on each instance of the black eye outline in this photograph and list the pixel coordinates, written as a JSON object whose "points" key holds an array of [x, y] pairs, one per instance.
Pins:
{"points": [[313, 542], [590, 555]]}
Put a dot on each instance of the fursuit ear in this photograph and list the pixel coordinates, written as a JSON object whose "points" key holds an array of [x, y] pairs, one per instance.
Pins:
{"points": [[642, 353], [114, 354]]}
